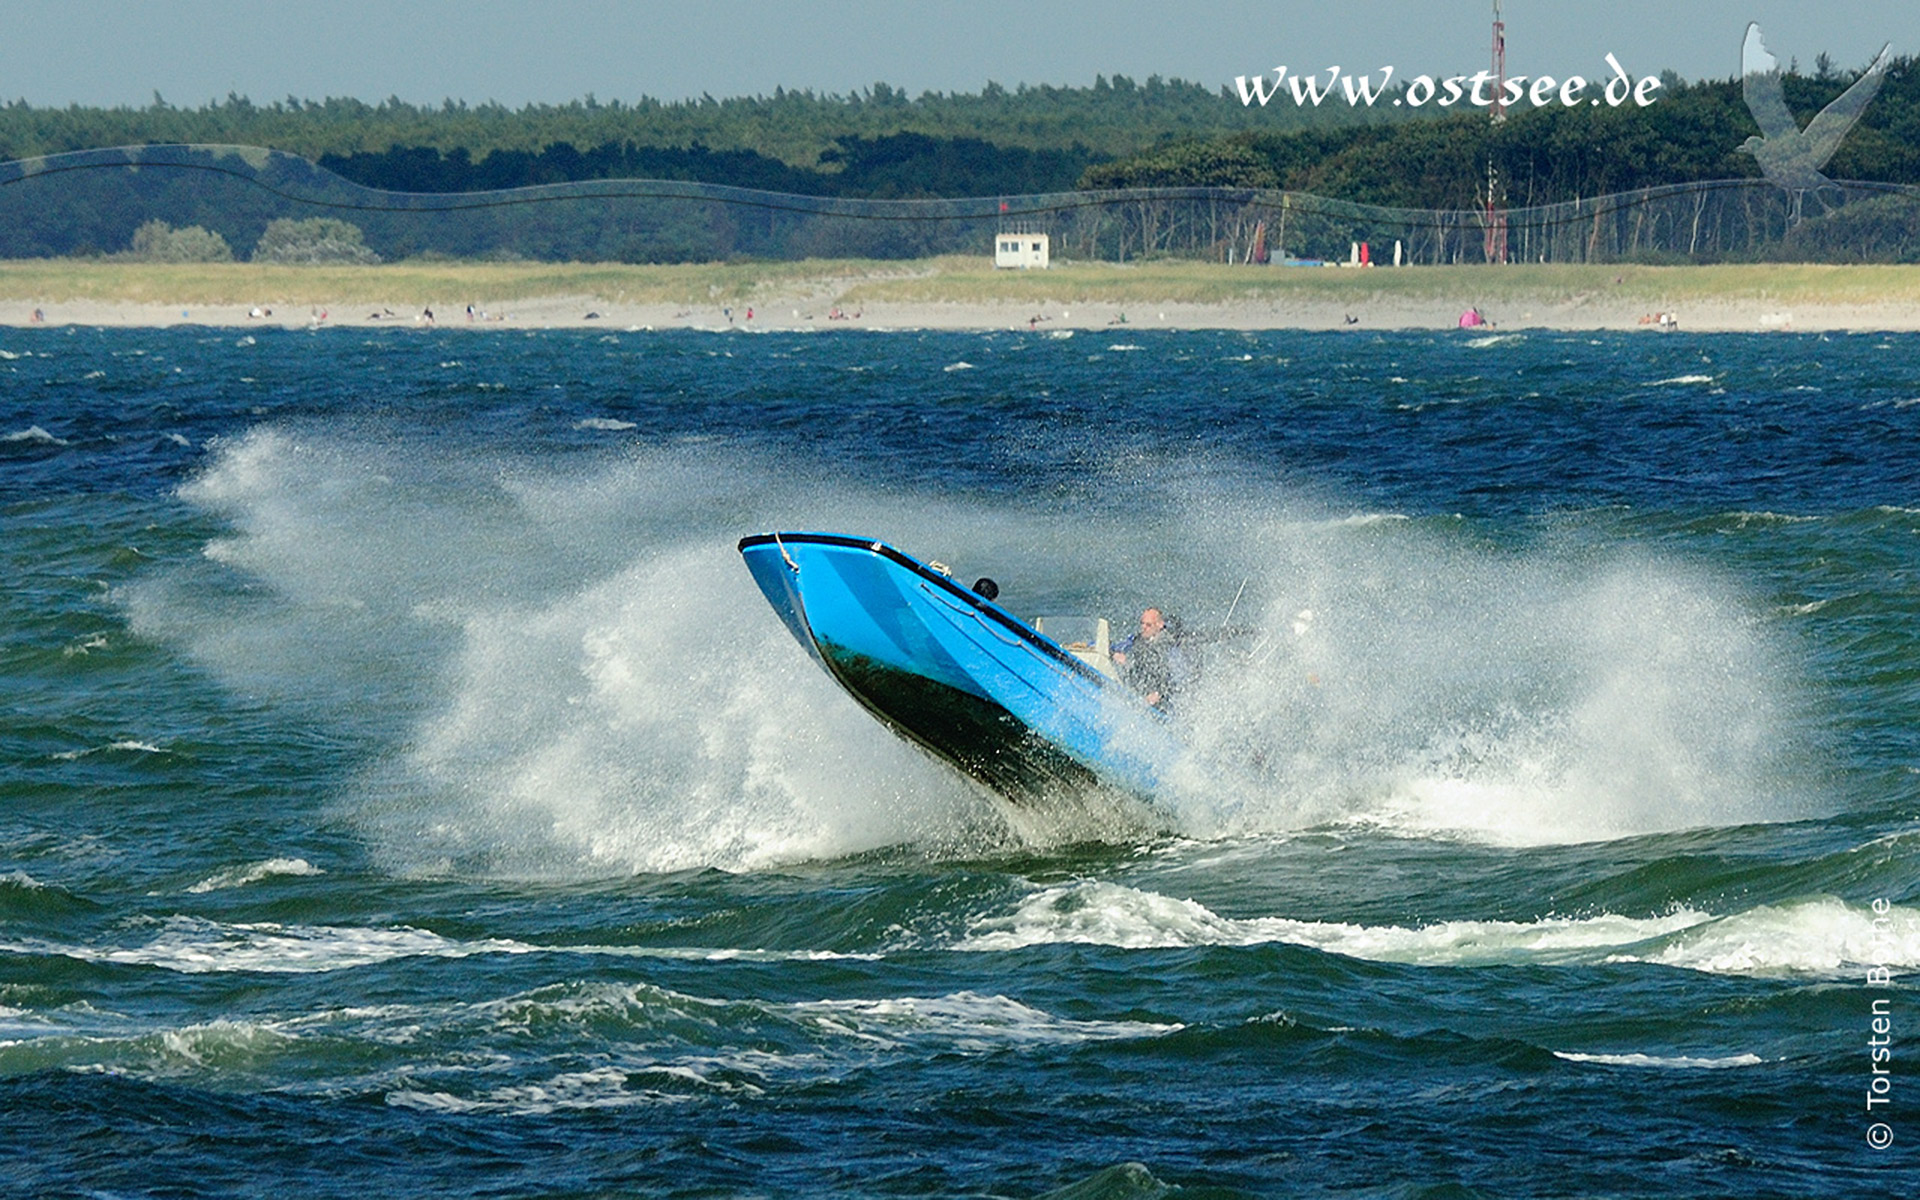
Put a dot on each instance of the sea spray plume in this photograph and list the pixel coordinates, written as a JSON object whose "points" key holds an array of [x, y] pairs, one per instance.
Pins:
{"points": [[1401, 672], [652, 721], [1789, 156], [1406, 678], [571, 676], [555, 673]]}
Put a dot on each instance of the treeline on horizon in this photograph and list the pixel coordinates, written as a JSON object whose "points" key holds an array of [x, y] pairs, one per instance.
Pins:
{"points": [[1541, 155], [204, 187], [893, 166], [1551, 154], [883, 144], [1111, 118]]}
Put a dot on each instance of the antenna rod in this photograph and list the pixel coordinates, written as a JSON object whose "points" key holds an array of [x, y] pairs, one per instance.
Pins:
{"points": [[1236, 603]]}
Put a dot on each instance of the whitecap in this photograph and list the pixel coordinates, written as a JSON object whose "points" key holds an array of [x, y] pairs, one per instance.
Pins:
{"points": [[958, 366], [123, 747], [1680, 379], [968, 1022], [1681, 1062], [822, 1037], [1823, 936], [1764, 517], [1804, 610], [33, 433], [195, 946], [94, 642], [599, 1088], [254, 873], [1113, 915], [607, 424], [221, 1043]]}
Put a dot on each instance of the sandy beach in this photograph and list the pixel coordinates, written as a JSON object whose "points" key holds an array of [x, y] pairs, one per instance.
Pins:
{"points": [[961, 294]]}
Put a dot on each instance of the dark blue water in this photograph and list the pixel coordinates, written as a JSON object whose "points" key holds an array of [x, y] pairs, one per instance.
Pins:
{"points": [[404, 790]]}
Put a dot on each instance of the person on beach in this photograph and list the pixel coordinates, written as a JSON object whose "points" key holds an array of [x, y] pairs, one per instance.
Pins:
{"points": [[1153, 662]]}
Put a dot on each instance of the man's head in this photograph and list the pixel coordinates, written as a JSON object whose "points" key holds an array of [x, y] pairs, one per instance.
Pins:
{"points": [[1152, 624]]}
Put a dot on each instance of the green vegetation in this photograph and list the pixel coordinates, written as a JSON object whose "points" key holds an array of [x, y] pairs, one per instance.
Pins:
{"points": [[159, 242], [1113, 134], [961, 280], [796, 129], [896, 165], [54, 280], [1577, 184], [851, 283], [313, 241], [1546, 155]]}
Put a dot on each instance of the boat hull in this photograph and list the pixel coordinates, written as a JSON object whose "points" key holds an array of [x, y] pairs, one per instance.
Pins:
{"points": [[958, 675]]}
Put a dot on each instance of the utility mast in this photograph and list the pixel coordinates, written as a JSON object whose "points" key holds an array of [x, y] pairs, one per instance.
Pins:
{"points": [[1499, 66], [1495, 218]]}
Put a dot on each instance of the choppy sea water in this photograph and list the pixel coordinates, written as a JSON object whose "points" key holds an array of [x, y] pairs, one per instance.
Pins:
{"points": [[404, 789]]}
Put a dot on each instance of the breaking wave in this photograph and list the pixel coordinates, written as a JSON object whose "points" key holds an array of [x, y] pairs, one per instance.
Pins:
{"points": [[1819, 936]]}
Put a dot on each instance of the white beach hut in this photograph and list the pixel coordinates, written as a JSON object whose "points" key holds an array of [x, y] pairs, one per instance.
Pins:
{"points": [[1020, 249]]}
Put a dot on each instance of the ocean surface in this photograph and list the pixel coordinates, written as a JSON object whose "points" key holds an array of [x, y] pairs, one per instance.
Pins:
{"points": [[405, 791]]}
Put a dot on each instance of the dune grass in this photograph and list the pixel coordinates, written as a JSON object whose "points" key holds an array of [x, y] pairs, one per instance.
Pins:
{"points": [[970, 281], [954, 279], [55, 280]]}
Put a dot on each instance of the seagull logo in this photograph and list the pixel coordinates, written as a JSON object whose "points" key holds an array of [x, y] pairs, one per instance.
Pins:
{"points": [[1789, 156]]}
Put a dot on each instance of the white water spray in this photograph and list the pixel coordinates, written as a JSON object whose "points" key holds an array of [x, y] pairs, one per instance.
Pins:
{"points": [[571, 673], [1405, 677]]}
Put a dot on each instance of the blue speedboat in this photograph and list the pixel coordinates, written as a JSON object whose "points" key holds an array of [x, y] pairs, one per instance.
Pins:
{"points": [[1031, 717]]}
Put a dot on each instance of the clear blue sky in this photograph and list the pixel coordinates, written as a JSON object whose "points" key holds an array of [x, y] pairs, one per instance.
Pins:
{"points": [[191, 51]]}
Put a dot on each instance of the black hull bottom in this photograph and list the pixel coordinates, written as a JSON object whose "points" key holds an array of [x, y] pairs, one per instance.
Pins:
{"points": [[969, 733]]}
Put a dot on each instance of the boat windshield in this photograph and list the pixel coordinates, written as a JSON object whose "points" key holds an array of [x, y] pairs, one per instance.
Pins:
{"points": [[1086, 638]]}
